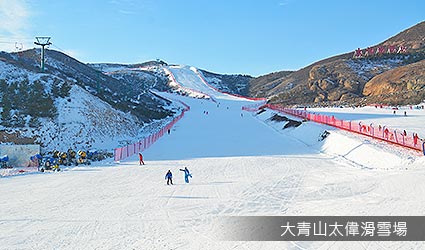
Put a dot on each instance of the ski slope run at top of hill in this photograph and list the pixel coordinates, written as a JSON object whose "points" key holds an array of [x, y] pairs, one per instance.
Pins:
{"points": [[190, 77]]}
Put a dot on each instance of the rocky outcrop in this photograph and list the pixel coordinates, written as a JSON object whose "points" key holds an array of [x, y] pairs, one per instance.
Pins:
{"points": [[401, 85]]}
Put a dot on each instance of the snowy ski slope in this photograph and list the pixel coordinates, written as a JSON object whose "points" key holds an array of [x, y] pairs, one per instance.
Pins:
{"points": [[188, 77], [242, 164]]}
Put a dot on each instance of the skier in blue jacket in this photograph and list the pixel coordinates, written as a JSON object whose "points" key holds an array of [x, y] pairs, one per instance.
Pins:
{"points": [[169, 177], [186, 174]]}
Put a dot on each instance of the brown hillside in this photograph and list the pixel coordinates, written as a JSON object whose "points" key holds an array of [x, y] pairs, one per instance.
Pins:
{"points": [[404, 84], [413, 38], [261, 84]]}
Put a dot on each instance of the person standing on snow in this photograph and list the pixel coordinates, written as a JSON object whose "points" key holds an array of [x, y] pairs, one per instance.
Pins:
{"points": [[141, 159], [169, 177], [186, 174], [415, 138], [386, 131]]}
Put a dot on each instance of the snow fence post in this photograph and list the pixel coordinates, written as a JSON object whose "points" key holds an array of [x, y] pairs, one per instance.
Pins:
{"points": [[116, 155]]}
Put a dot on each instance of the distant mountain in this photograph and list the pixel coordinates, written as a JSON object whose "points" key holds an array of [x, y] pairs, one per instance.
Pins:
{"points": [[141, 77], [260, 85], [231, 83], [109, 67], [342, 79]]}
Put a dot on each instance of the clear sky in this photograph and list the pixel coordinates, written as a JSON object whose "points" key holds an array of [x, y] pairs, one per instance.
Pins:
{"points": [[223, 36]]}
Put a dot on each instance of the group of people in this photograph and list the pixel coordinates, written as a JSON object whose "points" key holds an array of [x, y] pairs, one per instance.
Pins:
{"points": [[169, 176], [405, 113]]}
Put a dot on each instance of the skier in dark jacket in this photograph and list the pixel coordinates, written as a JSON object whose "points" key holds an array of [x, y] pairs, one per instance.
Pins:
{"points": [[186, 174], [169, 177]]}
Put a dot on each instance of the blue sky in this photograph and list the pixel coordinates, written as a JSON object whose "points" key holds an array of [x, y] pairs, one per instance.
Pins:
{"points": [[232, 36]]}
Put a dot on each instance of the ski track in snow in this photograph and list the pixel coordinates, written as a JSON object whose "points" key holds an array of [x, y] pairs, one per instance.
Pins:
{"points": [[240, 166]]}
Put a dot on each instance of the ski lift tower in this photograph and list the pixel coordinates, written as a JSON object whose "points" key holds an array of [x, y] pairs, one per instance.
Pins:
{"points": [[42, 41]]}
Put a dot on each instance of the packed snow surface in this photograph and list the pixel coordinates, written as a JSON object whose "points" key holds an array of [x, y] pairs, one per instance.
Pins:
{"points": [[242, 164]]}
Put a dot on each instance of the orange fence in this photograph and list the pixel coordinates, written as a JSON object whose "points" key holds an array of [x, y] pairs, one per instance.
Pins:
{"points": [[129, 150], [398, 137]]}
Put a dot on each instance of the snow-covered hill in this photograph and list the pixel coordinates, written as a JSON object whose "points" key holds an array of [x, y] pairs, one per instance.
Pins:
{"points": [[73, 105], [141, 77], [90, 122]]}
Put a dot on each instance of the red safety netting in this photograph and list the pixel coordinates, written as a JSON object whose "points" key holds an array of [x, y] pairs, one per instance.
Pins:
{"points": [[399, 137], [129, 150]]}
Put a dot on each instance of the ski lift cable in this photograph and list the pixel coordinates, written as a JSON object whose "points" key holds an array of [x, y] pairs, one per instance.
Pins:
{"points": [[54, 45]]}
